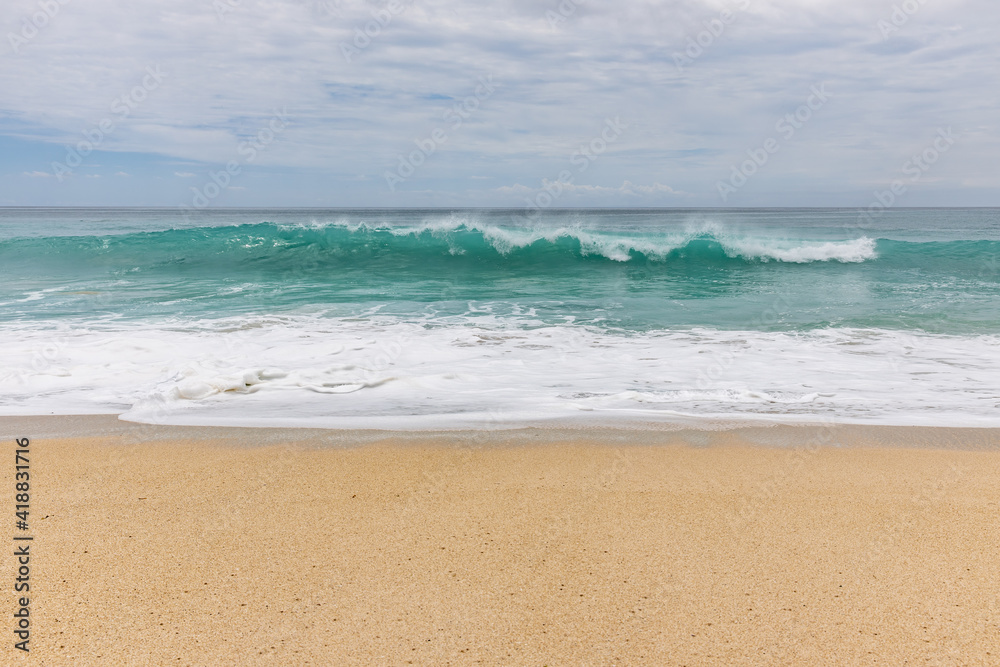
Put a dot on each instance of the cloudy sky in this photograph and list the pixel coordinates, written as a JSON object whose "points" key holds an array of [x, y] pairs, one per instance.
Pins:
{"points": [[447, 103]]}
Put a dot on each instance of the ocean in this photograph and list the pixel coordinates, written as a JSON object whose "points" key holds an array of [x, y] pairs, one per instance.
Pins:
{"points": [[438, 319]]}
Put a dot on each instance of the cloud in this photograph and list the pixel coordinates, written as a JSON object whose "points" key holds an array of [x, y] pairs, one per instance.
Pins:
{"points": [[555, 85], [516, 189], [38, 174], [627, 188], [121, 173], [184, 174], [656, 188]]}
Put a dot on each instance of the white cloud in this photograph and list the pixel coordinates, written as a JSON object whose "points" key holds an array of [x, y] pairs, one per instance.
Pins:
{"points": [[516, 189], [627, 188], [38, 174], [555, 86], [656, 188], [184, 174]]}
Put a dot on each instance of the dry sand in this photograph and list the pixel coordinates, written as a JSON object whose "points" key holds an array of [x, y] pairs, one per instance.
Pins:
{"points": [[185, 546]]}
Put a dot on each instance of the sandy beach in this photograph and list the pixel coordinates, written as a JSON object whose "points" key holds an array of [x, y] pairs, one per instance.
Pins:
{"points": [[781, 546]]}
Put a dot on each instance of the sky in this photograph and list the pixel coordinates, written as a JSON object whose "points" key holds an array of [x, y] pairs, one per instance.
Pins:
{"points": [[566, 103]]}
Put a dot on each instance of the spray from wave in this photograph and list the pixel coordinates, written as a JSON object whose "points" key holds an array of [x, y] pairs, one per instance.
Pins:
{"points": [[462, 236]]}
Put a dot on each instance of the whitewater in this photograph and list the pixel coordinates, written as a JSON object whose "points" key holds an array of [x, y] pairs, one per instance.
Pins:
{"points": [[491, 319]]}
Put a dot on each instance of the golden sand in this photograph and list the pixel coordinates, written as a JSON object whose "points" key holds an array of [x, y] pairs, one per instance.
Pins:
{"points": [[542, 552]]}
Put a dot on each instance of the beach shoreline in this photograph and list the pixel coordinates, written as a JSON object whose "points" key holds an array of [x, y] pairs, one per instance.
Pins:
{"points": [[195, 545], [690, 432]]}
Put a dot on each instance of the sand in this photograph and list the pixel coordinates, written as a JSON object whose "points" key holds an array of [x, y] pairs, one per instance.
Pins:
{"points": [[202, 546]]}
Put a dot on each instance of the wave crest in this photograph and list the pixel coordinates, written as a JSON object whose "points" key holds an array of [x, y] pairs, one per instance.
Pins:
{"points": [[463, 235]]}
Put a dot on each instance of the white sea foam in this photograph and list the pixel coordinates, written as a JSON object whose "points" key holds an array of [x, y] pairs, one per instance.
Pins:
{"points": [[853, 251], [378, 372], [619, 245]]}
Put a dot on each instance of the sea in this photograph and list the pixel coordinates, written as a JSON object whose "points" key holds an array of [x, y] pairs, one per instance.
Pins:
{"points": [[489, 318]]}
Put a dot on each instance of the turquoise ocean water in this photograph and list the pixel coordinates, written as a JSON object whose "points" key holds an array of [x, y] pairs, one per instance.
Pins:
{"points": [[433, 318]]}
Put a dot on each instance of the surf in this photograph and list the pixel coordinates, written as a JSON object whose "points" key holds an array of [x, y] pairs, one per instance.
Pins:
{"points": [[345, 243]]}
